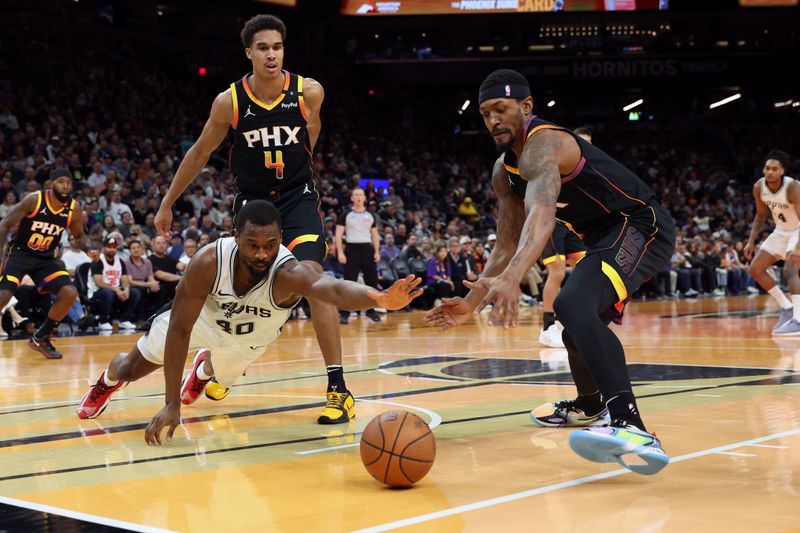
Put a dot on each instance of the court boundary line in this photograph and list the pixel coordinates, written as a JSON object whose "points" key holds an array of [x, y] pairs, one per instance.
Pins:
{"points": [[490, 502], [77, 515]]}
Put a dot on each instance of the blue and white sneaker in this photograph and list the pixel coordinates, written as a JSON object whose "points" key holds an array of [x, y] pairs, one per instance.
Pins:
{"points": [[784, 317], [636, 450], [789, 329]]}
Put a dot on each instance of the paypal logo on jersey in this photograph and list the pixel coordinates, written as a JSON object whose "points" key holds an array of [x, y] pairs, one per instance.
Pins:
{"points": [[272, 137], [289, 105]]}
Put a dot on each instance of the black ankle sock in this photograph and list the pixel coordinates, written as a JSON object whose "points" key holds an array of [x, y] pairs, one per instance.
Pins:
{"points": [[590, 404], [336, 379], [47, 328], [622, 407], [549, 319]]}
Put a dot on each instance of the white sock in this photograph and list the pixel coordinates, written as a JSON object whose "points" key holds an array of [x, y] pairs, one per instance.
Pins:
{"points": [[108, 381], [779, 297], [796, 304], [200, 374]]}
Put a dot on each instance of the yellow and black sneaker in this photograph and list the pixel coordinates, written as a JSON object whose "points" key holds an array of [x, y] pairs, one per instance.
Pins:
{"points": [[339, 409], [215, 391]]}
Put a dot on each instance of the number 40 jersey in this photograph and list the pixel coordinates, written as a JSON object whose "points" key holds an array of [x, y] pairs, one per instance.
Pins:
{"points": [[252, 319]]}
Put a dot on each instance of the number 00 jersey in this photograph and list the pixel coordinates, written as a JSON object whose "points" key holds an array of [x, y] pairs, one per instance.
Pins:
{"points": [[254, 318], [783, 211], [271, 148], [40, 232]]}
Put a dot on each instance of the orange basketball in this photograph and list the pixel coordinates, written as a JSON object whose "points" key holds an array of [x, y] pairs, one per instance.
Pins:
{"points": [[398, 448]]}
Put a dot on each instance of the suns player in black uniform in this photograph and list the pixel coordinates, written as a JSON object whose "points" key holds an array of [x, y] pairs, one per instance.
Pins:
{"points": [[274, 117], [42, 217], [629, 237]]}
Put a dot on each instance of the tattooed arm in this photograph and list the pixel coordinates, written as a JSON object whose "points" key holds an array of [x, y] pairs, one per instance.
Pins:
{"points": [[524, 228], [539, 165], [543, 159], [510, 220]]}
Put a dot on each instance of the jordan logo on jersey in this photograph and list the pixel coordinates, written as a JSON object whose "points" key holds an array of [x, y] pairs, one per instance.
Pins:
{"points": [[279, 136], [249, 113]]}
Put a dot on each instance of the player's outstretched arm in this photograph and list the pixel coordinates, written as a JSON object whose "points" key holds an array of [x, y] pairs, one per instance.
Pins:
{"points": [[17, 213], [297, 279], [189, 299], [214, 132], [510, 220], [539, 165]]}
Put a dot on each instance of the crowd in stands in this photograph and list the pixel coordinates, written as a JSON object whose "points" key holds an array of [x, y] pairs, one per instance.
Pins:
{"points": [[121, 119]]}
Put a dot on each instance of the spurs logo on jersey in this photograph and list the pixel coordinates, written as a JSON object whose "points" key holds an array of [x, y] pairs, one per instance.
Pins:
{"points": [[271, 148], [232, 308], [254, 317], [39, 232], [783, 212]]}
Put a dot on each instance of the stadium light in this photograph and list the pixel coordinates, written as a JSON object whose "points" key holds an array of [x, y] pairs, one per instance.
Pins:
{"points": [[784, 104], [465, 105], [725, 100], [630, 106], [551, 103]]}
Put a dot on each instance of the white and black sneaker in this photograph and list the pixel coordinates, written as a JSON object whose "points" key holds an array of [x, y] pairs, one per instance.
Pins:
{"points": [[566, 414]]}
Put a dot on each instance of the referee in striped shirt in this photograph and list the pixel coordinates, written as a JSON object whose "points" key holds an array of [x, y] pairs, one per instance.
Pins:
{"points": [[359, 229]]}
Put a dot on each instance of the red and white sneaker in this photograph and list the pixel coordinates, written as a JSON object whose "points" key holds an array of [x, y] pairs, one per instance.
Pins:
{"points": [[193, 386], [96, 398]]}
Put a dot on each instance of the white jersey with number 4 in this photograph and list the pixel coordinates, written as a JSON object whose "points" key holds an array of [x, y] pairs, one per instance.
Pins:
{"points": [[783, 211]]}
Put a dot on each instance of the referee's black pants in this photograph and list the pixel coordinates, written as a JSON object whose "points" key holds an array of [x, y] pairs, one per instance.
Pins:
{"points": [[360, 258]]}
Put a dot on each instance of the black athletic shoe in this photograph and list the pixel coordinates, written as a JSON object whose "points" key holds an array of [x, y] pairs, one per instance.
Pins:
{"points": [[45, 347], [373, 315]]}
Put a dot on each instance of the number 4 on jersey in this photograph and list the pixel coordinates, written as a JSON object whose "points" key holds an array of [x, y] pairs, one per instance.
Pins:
{"points": [[277, 164]]}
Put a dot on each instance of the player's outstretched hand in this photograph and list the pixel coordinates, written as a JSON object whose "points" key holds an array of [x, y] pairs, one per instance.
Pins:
{"points": [[168, 416], [399, 294], [503, 295], [163, 221], [450, 313]]}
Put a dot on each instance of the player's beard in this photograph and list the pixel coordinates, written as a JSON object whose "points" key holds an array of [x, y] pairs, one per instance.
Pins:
{"points": [[256, 272], [506, 146], [63, 198]]}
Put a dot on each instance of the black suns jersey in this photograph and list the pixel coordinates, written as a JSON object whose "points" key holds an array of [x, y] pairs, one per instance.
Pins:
{"points": [[597, 194], [40, 231], [271, 150]]}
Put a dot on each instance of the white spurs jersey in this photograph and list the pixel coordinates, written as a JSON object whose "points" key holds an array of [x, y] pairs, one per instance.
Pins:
{"points": [[252, 319], [783, 211]]}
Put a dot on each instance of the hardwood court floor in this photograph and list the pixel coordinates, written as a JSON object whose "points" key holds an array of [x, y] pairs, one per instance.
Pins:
{"points": [[720, 392]]}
